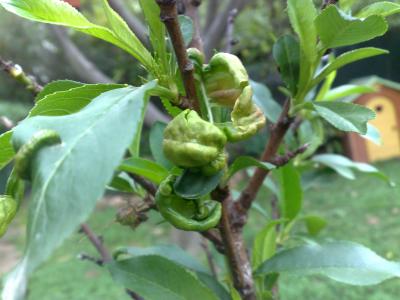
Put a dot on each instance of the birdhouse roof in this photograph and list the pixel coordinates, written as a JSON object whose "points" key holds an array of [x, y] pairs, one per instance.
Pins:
{"points": [[372, 81]]}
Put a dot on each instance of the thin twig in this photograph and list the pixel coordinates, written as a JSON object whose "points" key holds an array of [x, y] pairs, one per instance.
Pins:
{"points": [[212, 12], [169, 15], [16, 72], [104, 253], [217, 29], [97, 243], [84, 256], [192, 11], [230, 40], [215, 238], [249, 193], [281, 160], [210, 260], [6, 122], [147, 185]]}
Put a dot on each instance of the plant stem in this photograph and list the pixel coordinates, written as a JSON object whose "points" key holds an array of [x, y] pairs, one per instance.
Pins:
{"points": [[97, 243], [204, 245], [235, 248], [250, 192], [169, 15]]}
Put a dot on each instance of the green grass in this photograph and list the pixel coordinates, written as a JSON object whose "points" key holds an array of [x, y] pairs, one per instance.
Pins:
{"points": [[365, 210]]}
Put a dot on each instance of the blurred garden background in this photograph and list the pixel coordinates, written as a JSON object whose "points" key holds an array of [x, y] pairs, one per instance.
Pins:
{"points": [[365, 211]]}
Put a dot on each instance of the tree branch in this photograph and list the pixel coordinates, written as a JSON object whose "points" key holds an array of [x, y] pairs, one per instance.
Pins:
{"points": [[281, 160], [88, 72], [16, 72], [192, 11], [169, 15], [235, 248], [243, 204], [212, 11], [217, 29], [230, 40], [134, 24]]}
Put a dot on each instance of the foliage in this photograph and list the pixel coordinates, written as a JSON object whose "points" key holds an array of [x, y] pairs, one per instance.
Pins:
{"points": [[78, 138]]}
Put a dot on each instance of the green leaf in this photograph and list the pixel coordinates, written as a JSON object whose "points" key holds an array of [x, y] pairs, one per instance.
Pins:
{"points": [[123, 33], [243, 162], [156, 141], [6, 149], [264, 245], [234, 293], [257, 207], [186, 25], [314, 224], [61, 13], [383, 8], [262, 97], [291, 193], [345, 116], [342, 261], [373, 135], [336, 29], [286, 52], [181, 257], [193, 185], [123, 183], [312, 133], [151, 13], [157, 278], [327, 85], [302, 15], [57, 86], [146, 168], [343, 166], [345, 59], [171, 252], [69, 101], [347, 90], [69, 178]]}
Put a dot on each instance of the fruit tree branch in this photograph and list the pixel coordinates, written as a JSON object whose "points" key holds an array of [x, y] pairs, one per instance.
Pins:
{"points": [[169, 15], [249, 193]]}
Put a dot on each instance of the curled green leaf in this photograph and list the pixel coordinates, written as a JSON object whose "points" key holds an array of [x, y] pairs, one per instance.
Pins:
{"points": [[27, 151], [8, 209], [186, 214], [227, 84]]}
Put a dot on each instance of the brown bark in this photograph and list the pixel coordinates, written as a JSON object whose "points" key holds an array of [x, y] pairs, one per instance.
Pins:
{"points": [[169, 15]]}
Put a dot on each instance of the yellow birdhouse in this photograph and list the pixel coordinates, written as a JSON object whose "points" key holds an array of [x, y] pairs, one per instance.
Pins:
{"points": [[385, 101]]}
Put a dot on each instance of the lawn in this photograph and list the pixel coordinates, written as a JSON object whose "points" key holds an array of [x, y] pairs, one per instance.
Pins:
{"points": [[365, 210]]}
